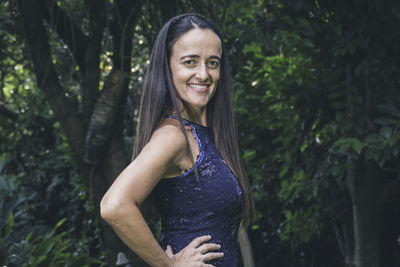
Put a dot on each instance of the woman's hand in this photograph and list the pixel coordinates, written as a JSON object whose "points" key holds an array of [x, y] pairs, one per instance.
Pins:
{"points": [[197, 253]]}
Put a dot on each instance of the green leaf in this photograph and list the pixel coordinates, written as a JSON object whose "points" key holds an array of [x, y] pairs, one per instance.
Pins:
{"points": [[389, 109], [60, 223], [345, 143], [3, 161], [373, 138], [336, 170], [386, 131], [288, 214], [385, 121], [395, 151], [252, 48], [249, 155], [357, 146], [9, 225], [284, 170]]}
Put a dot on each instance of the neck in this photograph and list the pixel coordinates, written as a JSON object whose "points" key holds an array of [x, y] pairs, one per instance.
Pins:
{"points": [[197, 115]]}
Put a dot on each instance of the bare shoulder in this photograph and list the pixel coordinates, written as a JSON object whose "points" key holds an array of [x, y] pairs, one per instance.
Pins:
{"points": [[168, 138], [163, 152], [169, 131]]}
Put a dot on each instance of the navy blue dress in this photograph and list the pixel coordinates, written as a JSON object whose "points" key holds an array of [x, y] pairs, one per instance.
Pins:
{"points": [[211, 205]]}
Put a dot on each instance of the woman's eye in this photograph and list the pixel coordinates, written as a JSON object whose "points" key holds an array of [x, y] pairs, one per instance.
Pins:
{"points": [[213, 63], [189, 62]]}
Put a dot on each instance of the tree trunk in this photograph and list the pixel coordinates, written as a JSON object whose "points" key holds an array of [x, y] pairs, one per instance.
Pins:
{"points": [[97, 134], [366, 234], [345, 238], [365, 189]]}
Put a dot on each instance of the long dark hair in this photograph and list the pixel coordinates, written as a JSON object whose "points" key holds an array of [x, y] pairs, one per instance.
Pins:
{"points": [[159, 98]]}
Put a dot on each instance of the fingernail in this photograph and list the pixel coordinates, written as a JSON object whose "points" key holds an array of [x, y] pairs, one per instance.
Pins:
{"points": [[209, 236]]}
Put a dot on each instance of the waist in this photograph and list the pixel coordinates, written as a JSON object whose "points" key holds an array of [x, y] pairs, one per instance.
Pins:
{"points": [[224, 224], [178, 240]]}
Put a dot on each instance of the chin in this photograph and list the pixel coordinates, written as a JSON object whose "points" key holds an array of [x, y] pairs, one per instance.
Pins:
{"points": [[201, 104]]}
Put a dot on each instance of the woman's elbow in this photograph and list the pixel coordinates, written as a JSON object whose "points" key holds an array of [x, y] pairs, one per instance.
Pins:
{"points": [[108, 209], [113, 209]]}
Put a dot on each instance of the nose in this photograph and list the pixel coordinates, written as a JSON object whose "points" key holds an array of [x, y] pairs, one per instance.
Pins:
{"points": [[202, 72]]}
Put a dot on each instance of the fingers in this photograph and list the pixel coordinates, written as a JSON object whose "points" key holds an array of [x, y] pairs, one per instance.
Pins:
{"points": [[204, 248], [212, 255], [199, 240], [169, 252], [198, 251]]}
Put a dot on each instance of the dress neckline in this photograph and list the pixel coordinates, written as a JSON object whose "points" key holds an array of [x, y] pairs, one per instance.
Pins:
{"points": [[186, 120]]}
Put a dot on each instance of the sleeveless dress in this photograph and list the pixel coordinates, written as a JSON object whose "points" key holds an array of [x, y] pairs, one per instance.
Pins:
{"points": [[210, 205]]}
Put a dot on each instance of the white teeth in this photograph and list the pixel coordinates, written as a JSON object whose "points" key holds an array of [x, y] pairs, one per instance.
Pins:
{"points": [[198, 86]]}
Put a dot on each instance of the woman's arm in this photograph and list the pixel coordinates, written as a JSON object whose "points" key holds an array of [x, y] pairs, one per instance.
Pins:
{"points": [[119, 206]]}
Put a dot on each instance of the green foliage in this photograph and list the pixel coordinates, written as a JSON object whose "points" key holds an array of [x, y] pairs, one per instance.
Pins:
{"points": [[301, 86], [36, 165], [48, 249], [274, 83], [39, 181], [6, 231], [24, 244]]}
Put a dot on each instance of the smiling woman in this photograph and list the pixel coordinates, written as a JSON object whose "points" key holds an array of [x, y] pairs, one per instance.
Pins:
{"points": [[194, 64], [186, 155]]}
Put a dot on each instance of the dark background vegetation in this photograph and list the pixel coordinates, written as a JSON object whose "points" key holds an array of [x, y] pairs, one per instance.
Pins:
{"points": [[316, 87]]}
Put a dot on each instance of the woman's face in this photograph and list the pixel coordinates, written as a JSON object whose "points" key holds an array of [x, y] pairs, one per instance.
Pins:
{"points": [[195, 65]]}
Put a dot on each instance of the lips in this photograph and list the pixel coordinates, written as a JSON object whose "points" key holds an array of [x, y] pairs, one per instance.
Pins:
{"points": [[201, 88]]}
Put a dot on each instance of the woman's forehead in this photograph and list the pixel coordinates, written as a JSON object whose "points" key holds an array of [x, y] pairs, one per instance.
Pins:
{"points": [[203, 41]]}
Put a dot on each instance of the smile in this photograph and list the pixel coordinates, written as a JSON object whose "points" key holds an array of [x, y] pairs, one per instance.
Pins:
{"points": [[199, 87]]}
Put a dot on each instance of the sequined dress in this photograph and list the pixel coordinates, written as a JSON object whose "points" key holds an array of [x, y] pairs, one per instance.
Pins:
{"points": [[209, 206]]}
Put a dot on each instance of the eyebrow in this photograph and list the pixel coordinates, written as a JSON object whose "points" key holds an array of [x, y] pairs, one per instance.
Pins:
{"points": [[196, 56]]}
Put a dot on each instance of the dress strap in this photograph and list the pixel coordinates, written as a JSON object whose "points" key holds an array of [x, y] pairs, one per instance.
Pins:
{"points": [[185, 121], [194, 127]]}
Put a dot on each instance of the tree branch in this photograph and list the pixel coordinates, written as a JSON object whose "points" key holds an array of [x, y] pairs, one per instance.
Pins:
{"points": [[103, 118], [348, 237], [66, 29], [339, 239], [47, 77], [2, 78], [122, 28], [90, 76]]}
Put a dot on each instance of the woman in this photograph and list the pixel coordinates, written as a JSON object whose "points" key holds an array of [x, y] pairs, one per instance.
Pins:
{"points": [[199, 189]]}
